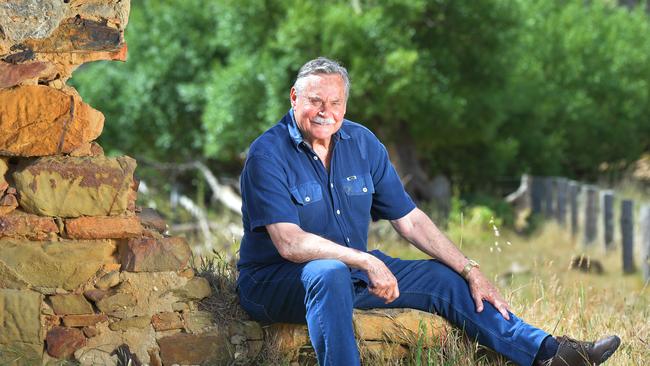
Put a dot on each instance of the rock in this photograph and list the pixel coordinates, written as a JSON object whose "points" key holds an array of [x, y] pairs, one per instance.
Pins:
{"points": [[167, 321], [194, 349], [401, 326], [70, 304], [78, 34], [99, 348], [286, 338], [95, 295], [22, 225], [90, 331], [11, 75], [198, 321], [385, 350], [64, 64], [250, 330], [38, 120], [116, 303], [155, 255], [20, 323], [63, 264], [109, 280], [4, 167], [103, 227], [8, 203], [196, 288], [23, 19], [151, 219], [137, 322], [86, 320], [62, 342], [101, 186], [88, 149]]}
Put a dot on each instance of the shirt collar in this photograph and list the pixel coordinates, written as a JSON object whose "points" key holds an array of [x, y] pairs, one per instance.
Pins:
{"points": [[296, 135]]}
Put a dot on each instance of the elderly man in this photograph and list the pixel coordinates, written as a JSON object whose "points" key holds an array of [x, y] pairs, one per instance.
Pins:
{"points": [[310, 186]]}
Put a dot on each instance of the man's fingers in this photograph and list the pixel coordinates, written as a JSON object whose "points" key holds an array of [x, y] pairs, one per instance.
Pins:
{"points": [[503, 309], [478, 301]]}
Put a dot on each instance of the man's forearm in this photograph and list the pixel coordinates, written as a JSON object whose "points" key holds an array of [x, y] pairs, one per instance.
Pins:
{"points": [[296, 245], [419, 230]]}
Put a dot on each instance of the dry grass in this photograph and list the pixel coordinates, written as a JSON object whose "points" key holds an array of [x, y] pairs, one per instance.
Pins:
{"points": [[533, 274]]}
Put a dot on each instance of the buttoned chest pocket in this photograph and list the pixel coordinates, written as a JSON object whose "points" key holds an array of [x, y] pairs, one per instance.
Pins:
{"points": [[308, 197], [358, 190]]}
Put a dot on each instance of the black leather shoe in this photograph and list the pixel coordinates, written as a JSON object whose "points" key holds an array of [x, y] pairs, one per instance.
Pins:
{"points": [[578, 353]]}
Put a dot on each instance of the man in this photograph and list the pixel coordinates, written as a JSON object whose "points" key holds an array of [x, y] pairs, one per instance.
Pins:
{"points": [[310, 186]]}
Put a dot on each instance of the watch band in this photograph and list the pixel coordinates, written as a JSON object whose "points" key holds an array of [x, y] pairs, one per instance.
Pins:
{"points": [[468, 267]]}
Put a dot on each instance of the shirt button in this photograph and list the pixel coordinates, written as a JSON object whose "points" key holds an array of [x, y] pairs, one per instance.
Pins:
{"points": [[307, 199], [338, 212], [315, 157], [347, 239], [331, 185], [365, 189]]}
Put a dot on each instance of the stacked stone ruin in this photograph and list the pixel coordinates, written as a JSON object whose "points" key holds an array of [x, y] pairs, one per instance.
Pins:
{"points": [[84, 273]]}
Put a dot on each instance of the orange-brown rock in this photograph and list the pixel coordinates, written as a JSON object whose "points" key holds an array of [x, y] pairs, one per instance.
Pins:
{"points": [[96, 295], [167, 321], [103, 227], [400, 326], [4, 167], [90, 331], [11, 75], [85, 320], [62, 342], [37, 120], [33, 227], [88, 149], [154, 255]]}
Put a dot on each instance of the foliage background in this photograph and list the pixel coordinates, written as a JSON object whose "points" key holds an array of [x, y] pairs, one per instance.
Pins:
{"points": [[475, 90]]}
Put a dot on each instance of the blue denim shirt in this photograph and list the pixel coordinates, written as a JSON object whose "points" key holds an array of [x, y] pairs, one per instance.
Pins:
{"points": [[284, 181]]}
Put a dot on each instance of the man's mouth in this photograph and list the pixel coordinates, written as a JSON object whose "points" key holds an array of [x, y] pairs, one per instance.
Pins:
{"points": [[323, 121]]}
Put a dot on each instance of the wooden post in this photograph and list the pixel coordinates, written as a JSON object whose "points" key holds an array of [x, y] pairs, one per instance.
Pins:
{"points": [[548, 197], [645, 241], [608, 216], [627, 228], [574, 191], [537, 194], [561, 186], [591, 215]]}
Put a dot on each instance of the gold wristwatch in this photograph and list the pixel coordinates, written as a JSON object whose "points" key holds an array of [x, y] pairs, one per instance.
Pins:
{"points": [[468, 267]]}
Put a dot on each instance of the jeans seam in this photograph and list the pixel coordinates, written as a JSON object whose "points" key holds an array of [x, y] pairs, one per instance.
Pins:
{"points": [[470, 320]]}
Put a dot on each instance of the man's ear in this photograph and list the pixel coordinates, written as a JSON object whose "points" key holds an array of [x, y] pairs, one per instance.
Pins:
{"points": [[293, 96]]}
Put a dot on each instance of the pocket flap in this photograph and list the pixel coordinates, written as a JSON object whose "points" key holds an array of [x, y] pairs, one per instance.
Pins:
{"points": [[356, 185], [307, 193]]}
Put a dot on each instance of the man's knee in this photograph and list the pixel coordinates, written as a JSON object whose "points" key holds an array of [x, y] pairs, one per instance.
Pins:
{"points": [[327, 273]]}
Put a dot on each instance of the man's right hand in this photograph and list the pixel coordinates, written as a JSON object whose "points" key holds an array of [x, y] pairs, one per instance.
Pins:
{"points": [[383, 283]]}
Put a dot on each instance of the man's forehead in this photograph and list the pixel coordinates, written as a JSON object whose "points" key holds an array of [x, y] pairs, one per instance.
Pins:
{"points": [[322, 83]]}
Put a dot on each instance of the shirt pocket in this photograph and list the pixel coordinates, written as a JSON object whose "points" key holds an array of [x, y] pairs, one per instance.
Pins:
{"points": [[358, 185], [307, 193]]}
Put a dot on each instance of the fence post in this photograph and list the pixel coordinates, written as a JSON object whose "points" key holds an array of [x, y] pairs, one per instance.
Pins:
{"points": [[537, 194], [627, 228], [560, 209], [645, 241], [591, 214], [608, 215], [574, 190], [548, 197]]}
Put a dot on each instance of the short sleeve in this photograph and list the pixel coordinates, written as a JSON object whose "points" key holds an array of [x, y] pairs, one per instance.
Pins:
{"points": [[265, 194], [390, 200]]}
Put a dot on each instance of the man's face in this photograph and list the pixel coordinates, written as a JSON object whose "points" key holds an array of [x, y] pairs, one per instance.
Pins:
{"points": [[320, 106]]}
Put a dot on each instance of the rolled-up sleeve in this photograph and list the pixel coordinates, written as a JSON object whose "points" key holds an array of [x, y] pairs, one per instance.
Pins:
{"points": [[266, 195], [390, 200]]}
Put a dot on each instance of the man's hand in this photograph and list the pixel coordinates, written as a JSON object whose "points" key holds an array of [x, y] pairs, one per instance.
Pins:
{"points": [[383, 283], [482, 289]]}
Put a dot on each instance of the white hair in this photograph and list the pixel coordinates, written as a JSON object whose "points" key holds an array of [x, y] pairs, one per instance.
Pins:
{"points": [[321, 66]]}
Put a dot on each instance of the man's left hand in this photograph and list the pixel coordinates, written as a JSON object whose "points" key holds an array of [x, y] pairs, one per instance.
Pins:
{"points": [[482, 289]]}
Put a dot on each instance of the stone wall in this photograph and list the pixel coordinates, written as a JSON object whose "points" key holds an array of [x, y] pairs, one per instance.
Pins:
{"points": [[86, 275]]}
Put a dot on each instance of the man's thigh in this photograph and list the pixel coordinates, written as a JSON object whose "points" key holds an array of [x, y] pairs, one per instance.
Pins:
{"points": [[276, 293]]}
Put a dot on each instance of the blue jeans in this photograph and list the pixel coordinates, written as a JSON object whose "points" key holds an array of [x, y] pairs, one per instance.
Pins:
{"points": [[323, 294]]}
